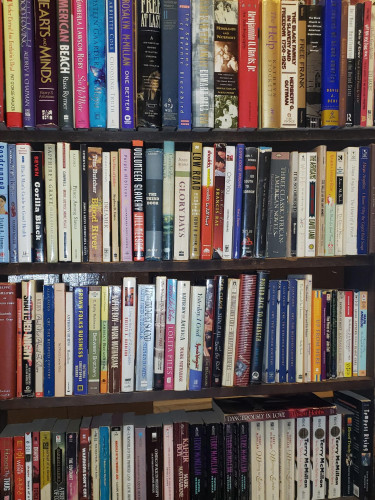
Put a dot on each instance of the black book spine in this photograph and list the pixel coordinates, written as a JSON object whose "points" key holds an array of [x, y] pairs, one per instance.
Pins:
{"points": [[243, 461], [64, 49], [262, 201], [313, 65], [197, 460], [71, 456], [213, 449], [333, 336], [302, 64], [138, 172], [221, 283], [259, 326], [346, 455], [229, 457], [359, 9], [58, 466], [84, 202], [154, 462], [249, 202], [38, 205]]}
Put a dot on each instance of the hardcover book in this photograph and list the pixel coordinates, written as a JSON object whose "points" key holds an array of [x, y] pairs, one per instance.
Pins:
{"points": [[169, 62], [127, 24], [65, 71], [138, 169], [81, 89], [154, 197], [27, 62], [128, 337], [182, 206], [184, 65], [313, 65], [145, 338], [168, 199]]}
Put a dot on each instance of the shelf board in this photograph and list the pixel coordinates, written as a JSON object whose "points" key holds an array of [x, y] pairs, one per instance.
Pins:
{"points": [[192, 265], [355, 383], [353, 134]]}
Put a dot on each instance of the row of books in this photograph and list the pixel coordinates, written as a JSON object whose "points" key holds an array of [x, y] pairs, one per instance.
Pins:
{"points": [[305, 447], [174, 335], [185, 64], [213, 202]]}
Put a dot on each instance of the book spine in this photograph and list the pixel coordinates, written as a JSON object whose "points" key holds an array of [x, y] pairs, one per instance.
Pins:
{"points": [[340, 372], [287, 458], [13, 225], [65, 71], [195, 197], [207, 203], [333, 456], [257, 459], [45, 465], [237, 216], [138, 165], [197, 324], [169, 62], [292, 329], [243, 482], [181, 460], [301, 96], [311, 180], [351, 202], [302, 474], [58, 465], [362, 342], [230, 335], [76, 212], [343, 62], [63, 201], [339, 216], [19, 467], [12, 63], [331, 63], [128, 323], [104, 310], [213, 441], [85, 202], [80, 340], [4, 211], [221, 284], [370, 87], [283, 330], [350, 56], [293, 205], [97, 72], [230, 158], [2, 97], [321, 152], [271, 444], [355, 336], [316, 336], [330, 204], [249, 202], [259, 326], [181, 206], [358, 60], [301, 204], [219, 193], [145, 338], [84, 463], [184, 64], [318, 458], [348, 334], [365, 62], [313, 65], [328, 332], [46, 69], [182, 335], [229, 445], [114, 340], [154, 443], [95, 460], [51, 202], [105, 463], [197, 434], [115, 205], [39, 345], [69, 335], [208, 333], [160, 330], [8, 323], [49, 336], [19, 349], [81, 89], [94, 339], [95, 204], [72, 465], [28, 338], [128, 461], [60, 343], [27, 62], [127, 77], [24, 202], [323, 341], [106, 175], [125, 188], [154, 195], [363, 200], [269, 362], [112, 61], [202, 12], [36, 466], [262, 192], [168, 199]]}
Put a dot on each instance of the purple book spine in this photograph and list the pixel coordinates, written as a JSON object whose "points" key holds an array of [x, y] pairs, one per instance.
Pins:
{"points": [[126, 65], [324, 336], [184, 65], [46, 72], [27, 62], [240, 155]]}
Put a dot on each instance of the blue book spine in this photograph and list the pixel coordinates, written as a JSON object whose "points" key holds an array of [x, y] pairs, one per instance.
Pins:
{"points": [[259, 326], [184, 65], [270, 365], [198, 296], [97, 63], [13, 230], [284, 293], [240, 158], [4, 204], [363, 200], [154, 204], [127, 87], [49, 340], [169, 63], [331, 63], [292, 330], [105, 463], [80, 339], [145, 338], [27, 62]]}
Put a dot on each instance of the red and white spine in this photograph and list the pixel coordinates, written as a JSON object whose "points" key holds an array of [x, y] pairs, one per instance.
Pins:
{"points": [[207, 203]]}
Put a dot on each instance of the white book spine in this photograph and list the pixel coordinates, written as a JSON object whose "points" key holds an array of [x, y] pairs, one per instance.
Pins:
{"points": [[355, 332], [303, 458], [307, 338], [182, 335], [311, 202], [182, 206], [106, 173], [28, 466], [351, 201], [301, 205], [230, 341], [51, 202], [340, 332], [333, 469], [145, 338], [229, 201], [160, 309], [113, 99], [63, 201], [75, 200], [318, 457], [287, 440], [300, 327], [289, 59], [198, 297], [95, 464], [320, 193], [116, 463], [24, 202], [257, 460], [272, 467], [168, 469], [39, 344], [115, 205], [129, 300], [370, 89], [69, 324], [340, 181], [128, 462]]}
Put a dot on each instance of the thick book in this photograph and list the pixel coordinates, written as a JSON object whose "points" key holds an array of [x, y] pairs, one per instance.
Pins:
{"points": [[330, 204], [28, 338], [13, 212], [301, 98], [80, 355], [343, 62], [8, 339], [95, 204], [350, 65], [311, 204], [145, 338], [314, 19], [250, 173], [148, 65], [104, 310], [269, 361], [154, 196], [69, 337], [262, 199], [351, 201], [81, 89], [138, 169], [125, 209], [181, 460], [358, 61], [221, 285], [195, 200], [320, 194], [237, 209], [128, 336], [293, 204], [182, 206], [114, 339], [169, 63], [219, 190], [259, 326], [24, 202], [182, 335], [184, 64], [168, 199], [127, 23], [27, 62], [207, 203], [230, 335], [65, 64]]}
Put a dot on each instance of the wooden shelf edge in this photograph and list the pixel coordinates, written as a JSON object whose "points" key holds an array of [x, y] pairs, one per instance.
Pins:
{"points": [[192, 265], [355, 383]]}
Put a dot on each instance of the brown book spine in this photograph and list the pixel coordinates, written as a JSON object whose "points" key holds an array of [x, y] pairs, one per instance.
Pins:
{"points": [[8, 340], [245, 329], [95, 200], [265, 415], [154, 462], [371, 226], [114, 347], [181, 460], [343, 63]]}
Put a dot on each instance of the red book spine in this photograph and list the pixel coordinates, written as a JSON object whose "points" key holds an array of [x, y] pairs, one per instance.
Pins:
{"points": [[19, 468], [365, 61], [36, 470], [84, 464], [8, 340], [2, 114], [207, 203], [245, 329], [219, 190], [138, 201], [248, 28], [6, 467], [181, 460], [19, 348]]}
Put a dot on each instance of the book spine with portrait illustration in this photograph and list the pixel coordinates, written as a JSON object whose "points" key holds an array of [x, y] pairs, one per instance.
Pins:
{"points": [[127, 23], [219, 191], [226, 64], [169, 62], [81, 101], [208, 333], [184, 65], [148, 64]]}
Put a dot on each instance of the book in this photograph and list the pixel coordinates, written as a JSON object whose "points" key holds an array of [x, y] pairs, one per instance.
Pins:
{"points": [[170, 334], [182, 335], [24, 202], [60, 342], [13, 222], [27, 62], [76, 204], [363, 200], [168, 199], [208, 332], [114, 339], [250, 174], [104, 309], [320, 196], [85, 202], [181, 206], [126, 213], [230, 159], [58, 455], [154, 197], [237, 215], [343, 62], [330, 204], [184, 64], [106, 171], [112, 64], [339, 216], [72, 462], [197, 325], [219, 191], [362, 341], [160, 330], [8, 339], [351, 201], [358, 61], [69, 337], [269, 360], [81, 103], [51, 202], [259, 326], [95, 204], [84, 458], [311, 204], [63, 201], [127, 23], [128, 336], [65, 64], [257, 459], [28, 338], [169, 63], [230, 335], [94, 339], [39, 344], [145, 338], [301, 97], [314, 19], [195, 197], [207, 203], [221, 285], [138, 169], [4, 204], [49, 340], [365, 62], [262, 194], [80, 355], [318, 459], [115, 205]]}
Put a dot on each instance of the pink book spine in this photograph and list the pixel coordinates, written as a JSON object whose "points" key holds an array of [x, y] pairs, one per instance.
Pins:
{"points": [[81, 102], [126, 236], [168, 478], [170, 335]]}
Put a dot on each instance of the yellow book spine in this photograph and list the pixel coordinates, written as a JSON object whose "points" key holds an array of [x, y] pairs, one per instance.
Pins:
{"points": [[195, 206], [316, 336], [330, 204], [45, 465], [104, 342]]}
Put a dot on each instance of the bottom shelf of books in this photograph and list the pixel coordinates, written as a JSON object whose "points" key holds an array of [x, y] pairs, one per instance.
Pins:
{"points": [[284, 447]]}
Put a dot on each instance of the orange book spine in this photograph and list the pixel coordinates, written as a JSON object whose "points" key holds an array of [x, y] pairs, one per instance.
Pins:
{"points": [[316, 336], [207, 203]]}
